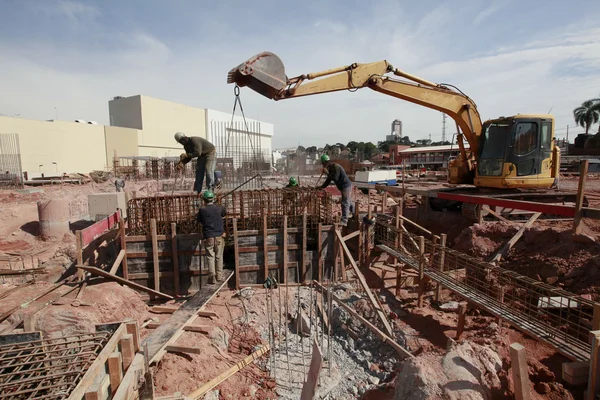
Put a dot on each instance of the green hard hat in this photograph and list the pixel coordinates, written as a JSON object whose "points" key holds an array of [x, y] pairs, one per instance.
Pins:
{"points": [[324, 158], [208, 195], [293, 181]]}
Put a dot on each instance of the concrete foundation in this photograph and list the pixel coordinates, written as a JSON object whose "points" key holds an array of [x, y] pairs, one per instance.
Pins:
{"points": [[54, 216]]}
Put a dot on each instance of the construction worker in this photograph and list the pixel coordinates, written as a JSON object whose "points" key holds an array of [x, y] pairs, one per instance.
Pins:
{"points": [[337, 175], [119, 183], [293, 182], [206, 159], [213, 229]]}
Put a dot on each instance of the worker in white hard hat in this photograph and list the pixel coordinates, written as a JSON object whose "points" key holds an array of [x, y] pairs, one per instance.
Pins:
{"points": [[206, 159]]}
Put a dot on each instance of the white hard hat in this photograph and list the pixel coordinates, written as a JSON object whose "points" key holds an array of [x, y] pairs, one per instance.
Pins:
{"points": [[179, 136]]}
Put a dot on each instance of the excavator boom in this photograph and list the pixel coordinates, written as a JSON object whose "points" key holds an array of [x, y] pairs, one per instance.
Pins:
{"points": [[265, 74]]}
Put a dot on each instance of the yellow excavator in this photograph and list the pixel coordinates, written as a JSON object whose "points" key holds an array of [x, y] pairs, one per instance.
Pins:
{"points": [[507, 154]]}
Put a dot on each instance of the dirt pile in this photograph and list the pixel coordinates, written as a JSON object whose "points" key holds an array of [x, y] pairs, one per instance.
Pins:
{"points": [[465, 371], [102, 303]]}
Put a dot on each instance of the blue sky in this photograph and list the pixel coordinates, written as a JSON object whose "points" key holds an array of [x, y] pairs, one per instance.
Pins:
{"points": [[509, 56]]}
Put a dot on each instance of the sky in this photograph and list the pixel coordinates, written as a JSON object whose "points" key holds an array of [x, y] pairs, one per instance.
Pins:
{"points": [[66, 58]]}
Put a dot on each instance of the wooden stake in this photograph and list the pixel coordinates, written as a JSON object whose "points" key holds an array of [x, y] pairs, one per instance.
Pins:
{"points": [[421, 271], [134, 331], [594, 375], [583, 170], [462, 314], [123, 245], [79, 243], [155, 254], [175, 257], [438, 289], [236, 248], [126, 344], [310, 386], [520, 372], [115, 371], [508, 245], [265, 248]]}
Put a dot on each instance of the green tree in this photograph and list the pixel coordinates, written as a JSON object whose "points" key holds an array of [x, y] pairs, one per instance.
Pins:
{"points": [[587, 114]]}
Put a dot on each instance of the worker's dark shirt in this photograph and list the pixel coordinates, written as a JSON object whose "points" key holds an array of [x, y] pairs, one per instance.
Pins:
{"points": [[211, 217], [336, 173], [196, 147]]}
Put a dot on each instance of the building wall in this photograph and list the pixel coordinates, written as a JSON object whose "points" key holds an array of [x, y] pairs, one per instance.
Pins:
{"points": [[157, 120], [122, 141]]}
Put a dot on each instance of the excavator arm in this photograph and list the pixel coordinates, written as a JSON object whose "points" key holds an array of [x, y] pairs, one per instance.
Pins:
{"points": [[265, 74]]}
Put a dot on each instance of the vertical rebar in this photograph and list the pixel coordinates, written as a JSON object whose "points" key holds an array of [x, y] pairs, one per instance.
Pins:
{"points": [[300, 336], [272, 328], [329, 308], [269, 328], [287, 349]]}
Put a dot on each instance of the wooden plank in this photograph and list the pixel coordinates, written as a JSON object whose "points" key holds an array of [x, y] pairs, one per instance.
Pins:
{"points": [[172, 348], [595, 322], [304, 237], [413, 223], [105, 274], [126, 344], [520, 372], [175, 257], [79, 244], [495, 214], [26, 303], [197, 328], [123, 244], [312, 379], [592, 213], [201, 391], [117, 263], [583, 170], [236, 252], [265, 248], [92, 232], [115, 371], [351, 235], [161, 337], [511, 242], [209, 314], [386, 339], [98, 365], [365, 286], [421, 291], [134, 331], [319, 253], [155, 254], [166, 309], [323, 314], [594, 374], [285, 249]]}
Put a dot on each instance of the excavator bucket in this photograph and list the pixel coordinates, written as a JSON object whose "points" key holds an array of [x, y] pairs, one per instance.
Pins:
{"points": [[264, 73]]}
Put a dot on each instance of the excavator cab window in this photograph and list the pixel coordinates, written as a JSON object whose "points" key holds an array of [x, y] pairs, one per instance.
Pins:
{"points": [[492, 148]]}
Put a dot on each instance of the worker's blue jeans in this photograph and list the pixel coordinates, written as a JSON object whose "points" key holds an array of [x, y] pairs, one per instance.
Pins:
{"points": [[205, 165], [347, 206]]}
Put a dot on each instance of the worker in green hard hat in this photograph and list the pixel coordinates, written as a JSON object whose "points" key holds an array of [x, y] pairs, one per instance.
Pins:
{"points": [[337, 175], [293, 182], [211, 217]]}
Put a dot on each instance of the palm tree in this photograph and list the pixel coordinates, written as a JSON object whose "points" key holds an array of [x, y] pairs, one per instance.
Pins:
{"points": [[587, 114], [596, 108]]}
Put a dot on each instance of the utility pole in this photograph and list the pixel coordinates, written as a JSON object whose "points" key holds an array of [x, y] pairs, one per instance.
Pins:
{"points": [[567, 133], [443, 127]]}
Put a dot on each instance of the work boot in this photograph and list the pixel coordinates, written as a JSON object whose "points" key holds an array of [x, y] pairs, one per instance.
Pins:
{"points": [[220, 278], [344, 222], [211, 280]]}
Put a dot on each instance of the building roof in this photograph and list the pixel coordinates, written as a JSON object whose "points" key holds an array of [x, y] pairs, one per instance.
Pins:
{"points": [[431, 149]]}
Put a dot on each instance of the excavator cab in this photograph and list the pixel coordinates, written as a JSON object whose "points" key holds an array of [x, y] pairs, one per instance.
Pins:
{"points": [[517, 152]]}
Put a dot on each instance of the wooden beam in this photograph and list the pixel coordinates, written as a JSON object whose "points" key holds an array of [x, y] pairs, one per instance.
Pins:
{"points": [[201, 391], [520, 372], [502, 251], [165, 309], [172, 348], [98, 366], [117, 263], [134, 331], [462, 314], [312, 379], [323, 314], [351, 235], [79, 244], [205, 313], [155, 254], [123, 244], [175, 257], [386, 339], [126, 344], [593, 388], [188, 328], [438, 289], [105, 274], [236, 250], [583, 170], [115, 371], [413, 223], [495, 214], [365, 286], [265, 249], [421, 271]]}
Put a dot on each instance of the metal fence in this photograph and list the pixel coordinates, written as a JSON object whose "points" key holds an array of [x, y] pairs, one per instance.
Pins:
{"points": [[11, 174], [562, 319]]}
